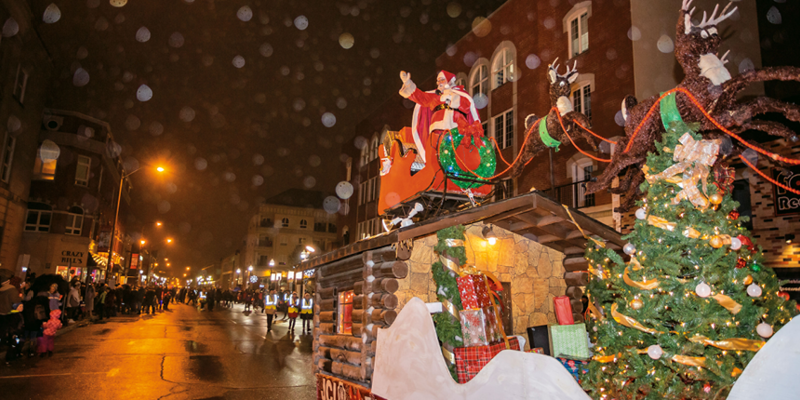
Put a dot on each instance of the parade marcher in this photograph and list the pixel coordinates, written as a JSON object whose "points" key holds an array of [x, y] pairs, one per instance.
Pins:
{"points": [[307, 313], [248, 300], [270, 308], [286, 298], [292, 311]]}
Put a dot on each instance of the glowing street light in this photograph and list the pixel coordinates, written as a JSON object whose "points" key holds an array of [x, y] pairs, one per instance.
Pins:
{"points": [[142, 242], [271, 263], [160, 169], [310, 249], [169, 240]]}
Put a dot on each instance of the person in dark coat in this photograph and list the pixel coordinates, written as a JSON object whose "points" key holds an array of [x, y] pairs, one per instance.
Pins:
{"points": [[111, 303], [159, 296], [35, 312], [150, 300], [138, 299]]}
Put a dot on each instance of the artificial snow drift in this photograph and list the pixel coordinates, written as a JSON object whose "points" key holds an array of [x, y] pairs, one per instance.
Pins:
{"points": [[409, 365]]}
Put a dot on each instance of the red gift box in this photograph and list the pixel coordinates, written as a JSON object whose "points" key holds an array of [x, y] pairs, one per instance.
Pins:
{"points": [[563, 310], [472, 289], [471, 360]]}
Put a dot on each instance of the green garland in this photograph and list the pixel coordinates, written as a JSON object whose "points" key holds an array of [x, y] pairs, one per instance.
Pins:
{"points": [[448, 328], [447, 158]]}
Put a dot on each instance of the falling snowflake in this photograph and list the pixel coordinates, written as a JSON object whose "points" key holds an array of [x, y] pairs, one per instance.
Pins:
{"points": [[328, 119], [142, 35], [238, 61], [51, 14], [144, 93], [245, 13]]}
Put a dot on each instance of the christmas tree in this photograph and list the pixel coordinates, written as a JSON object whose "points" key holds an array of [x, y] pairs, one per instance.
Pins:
{"points": [[683, 317]]}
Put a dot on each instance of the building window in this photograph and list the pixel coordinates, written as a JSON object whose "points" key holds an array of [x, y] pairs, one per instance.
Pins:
{"points": [[503, 67], [480, 80], [319, 227], [44, 170], [461, 82], [265, 241], [344, 315], [8, 156], [581, 173], [504, 190], [364, 155], [373, 148], [82, 171], [266, 223], [38, 218], [349, 166], [284, 240], [582, 99], [576, 25], [74, 221], [303, 224], [285, 222], [20, 84], [504, 129], [301, 240], [331, 228]]}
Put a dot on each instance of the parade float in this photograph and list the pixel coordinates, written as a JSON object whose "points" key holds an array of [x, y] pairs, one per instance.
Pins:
{"points": [[439, 307]]}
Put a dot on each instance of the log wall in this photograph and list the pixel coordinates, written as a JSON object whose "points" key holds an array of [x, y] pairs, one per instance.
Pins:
{"points": [[373, 277]]}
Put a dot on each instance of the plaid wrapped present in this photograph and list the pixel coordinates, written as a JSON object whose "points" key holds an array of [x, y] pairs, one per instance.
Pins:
{"points": [[570, 340], [577, 368], [472, 289], [471, 360]]}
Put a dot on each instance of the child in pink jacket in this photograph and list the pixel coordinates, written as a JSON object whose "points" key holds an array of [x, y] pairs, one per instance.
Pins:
{"points": [[47, 342]]}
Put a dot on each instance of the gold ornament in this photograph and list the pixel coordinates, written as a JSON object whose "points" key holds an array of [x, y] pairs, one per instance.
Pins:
{"points": [[715, 242], [748, 279], [715, 198], [636, 304]]}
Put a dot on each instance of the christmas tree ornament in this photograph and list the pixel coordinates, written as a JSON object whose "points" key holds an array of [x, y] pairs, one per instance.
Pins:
{"points": [[636, 304], [707, 388], [784, 295], [715, 242], [736, 244], [641, 213], [629, 249], [703, 290], [764, 330], [733, 215], [747, 242], [741, 263], [655, 352], [754, 290], [748, 279], [715, 199], [755, 267], [681, 215]]}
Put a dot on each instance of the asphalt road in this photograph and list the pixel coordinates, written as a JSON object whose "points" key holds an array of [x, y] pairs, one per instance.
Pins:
{"points": [[180, 354]]}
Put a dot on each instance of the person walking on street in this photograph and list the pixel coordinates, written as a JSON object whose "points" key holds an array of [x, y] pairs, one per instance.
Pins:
{"points": [[88, 299], [211, 297], [292, 311], [111, 302], [100, 302], [159, 294], [74, 302], [270, 308], [307, 312], [286, 298], [48, 339], [149, 300], [138, 299], [167, 299]]}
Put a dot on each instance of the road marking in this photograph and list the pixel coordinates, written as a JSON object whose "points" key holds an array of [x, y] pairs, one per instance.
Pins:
{"points": [[113, 372]]}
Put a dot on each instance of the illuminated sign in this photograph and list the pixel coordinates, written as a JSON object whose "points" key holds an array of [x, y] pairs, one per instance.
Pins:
{"points": [[134, 261]]}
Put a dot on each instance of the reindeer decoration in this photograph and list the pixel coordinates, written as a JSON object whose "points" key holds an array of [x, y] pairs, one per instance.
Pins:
{"points": [[551, 133], [712, 88]]}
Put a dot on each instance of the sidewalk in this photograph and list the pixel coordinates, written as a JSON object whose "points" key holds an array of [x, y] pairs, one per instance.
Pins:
{"points": [[63, 330]]}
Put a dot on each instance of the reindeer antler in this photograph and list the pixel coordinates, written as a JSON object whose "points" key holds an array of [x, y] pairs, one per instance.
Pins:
{"points": [[686, 4], [714, 20], [569, 71], [554, 65]]}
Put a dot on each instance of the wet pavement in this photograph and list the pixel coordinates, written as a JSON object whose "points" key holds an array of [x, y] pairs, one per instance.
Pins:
{"points": [[180, 354]]}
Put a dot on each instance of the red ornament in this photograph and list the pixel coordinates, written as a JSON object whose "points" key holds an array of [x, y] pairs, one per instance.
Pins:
{"points": [[741, 263], [747, 242], [724, 177], [734, 215], [784, 295], [707, 388]]}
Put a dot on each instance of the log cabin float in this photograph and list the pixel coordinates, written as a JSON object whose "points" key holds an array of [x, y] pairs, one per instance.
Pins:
{"points": [[538, 255]]}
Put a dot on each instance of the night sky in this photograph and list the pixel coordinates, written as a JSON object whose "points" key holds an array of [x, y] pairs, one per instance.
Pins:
{"points": [[247, 98]]}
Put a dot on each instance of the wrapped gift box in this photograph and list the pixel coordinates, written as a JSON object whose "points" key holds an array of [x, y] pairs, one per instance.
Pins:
{"points": [[472, 289], [471, 360], [569, 341], [492, 327], [577, 368], [563, 310], [474, 328]]}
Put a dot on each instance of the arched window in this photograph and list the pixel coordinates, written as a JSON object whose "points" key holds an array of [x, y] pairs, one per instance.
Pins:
{"points": [[582, 94], [580, 169], [479, 83], [576, 26], [503, 64], [346, 235], [303, 224], [373, 148], [461, 79], [74, 221], [38, 218], [285, 222]]}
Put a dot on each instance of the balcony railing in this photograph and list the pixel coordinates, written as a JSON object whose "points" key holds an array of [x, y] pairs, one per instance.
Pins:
{"points": [[573, 195]]}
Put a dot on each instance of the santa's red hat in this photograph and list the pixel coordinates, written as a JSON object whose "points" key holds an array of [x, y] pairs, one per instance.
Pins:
{"points": [[447, 76]]}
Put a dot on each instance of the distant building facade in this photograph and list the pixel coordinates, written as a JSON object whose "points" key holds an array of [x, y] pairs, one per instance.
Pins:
{"points": [[279, 234]]}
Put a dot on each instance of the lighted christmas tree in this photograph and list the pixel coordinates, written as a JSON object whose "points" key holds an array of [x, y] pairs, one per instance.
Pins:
{"points": [[683, 317]]}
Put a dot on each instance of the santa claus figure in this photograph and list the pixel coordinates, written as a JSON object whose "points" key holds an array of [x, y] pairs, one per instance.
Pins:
{"points": [[449, 108]]}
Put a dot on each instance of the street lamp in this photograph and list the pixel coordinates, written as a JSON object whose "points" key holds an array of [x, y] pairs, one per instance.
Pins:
{"points": [[122, 177]]}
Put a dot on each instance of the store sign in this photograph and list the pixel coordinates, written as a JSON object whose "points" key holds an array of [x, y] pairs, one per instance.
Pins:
{"points": [[330, 388], [75, 258], [104, 239], [787, 202], [135, 261]]}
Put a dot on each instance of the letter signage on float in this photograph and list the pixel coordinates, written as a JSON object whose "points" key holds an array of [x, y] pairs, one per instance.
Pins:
{"points": [[330, 388], [786, 202]]}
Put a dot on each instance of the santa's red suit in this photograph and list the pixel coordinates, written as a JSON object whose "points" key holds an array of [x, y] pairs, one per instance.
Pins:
{"points": [[444, 109]]}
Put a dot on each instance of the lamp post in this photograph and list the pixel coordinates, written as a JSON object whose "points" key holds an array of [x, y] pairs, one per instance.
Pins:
{"points": [[249, 272], [122, 177]]}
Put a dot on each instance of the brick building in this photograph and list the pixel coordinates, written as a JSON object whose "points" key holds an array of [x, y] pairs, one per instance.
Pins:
{"points": [[25, 72], [73, 198]]}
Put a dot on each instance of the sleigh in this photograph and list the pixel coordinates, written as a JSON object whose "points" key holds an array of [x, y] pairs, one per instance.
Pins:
{"points": [[407, 177]]}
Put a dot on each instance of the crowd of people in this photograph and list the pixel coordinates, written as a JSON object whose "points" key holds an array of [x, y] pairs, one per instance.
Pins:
{"points": [[32, 311]]}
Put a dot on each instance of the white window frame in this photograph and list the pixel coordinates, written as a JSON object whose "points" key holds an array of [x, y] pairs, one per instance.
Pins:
{"points": [[83, 161], [20, 88], [284, 240], [479, 78], [574, 15], [38, 226], [576, 168], [503, 65], [503, 138], [585, 88], [74, 223], [9, 144], [373, 148], [364, 156]]}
